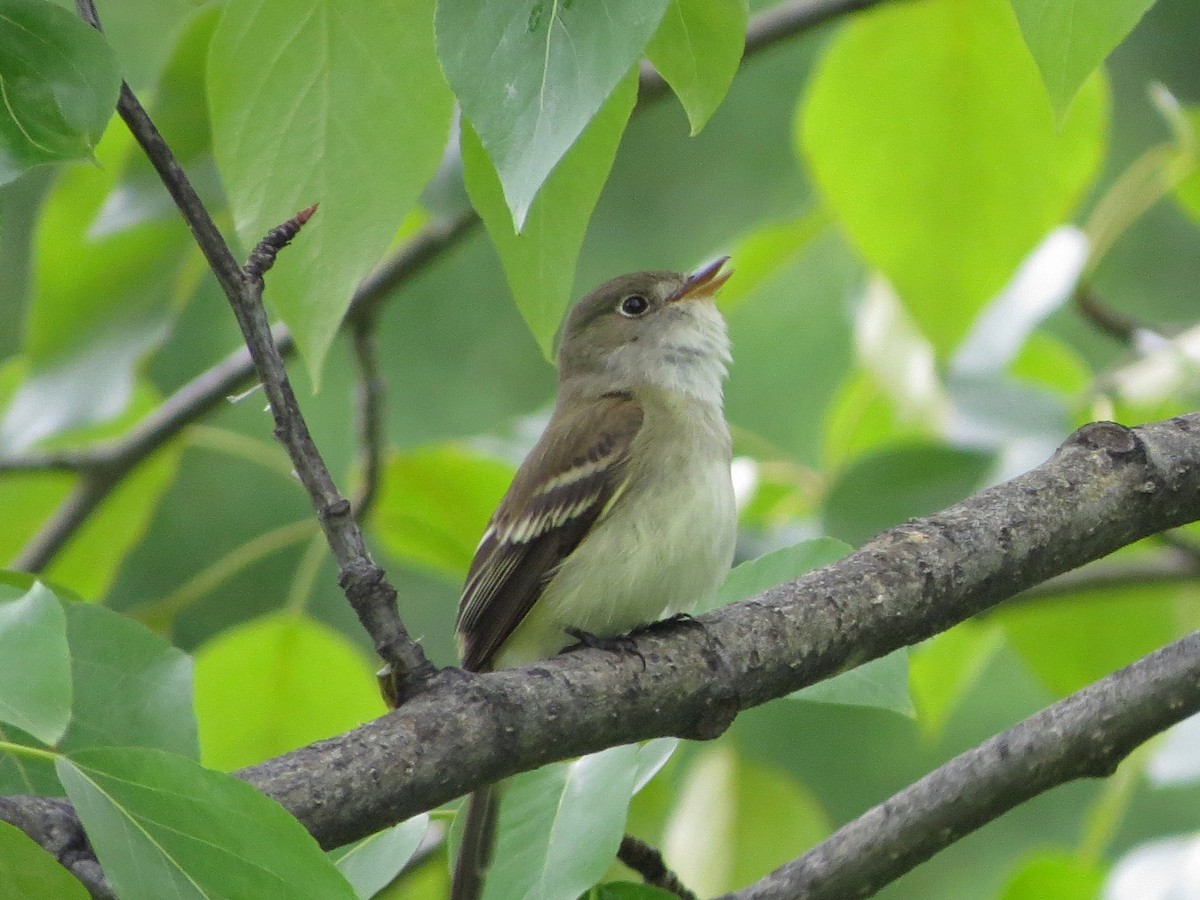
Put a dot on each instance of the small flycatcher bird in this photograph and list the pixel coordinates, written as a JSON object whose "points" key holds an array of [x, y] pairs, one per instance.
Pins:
{"points": [[623, 512]]}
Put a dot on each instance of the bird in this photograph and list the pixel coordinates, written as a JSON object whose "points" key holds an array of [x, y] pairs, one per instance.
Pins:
{"points": [[623, 512]]}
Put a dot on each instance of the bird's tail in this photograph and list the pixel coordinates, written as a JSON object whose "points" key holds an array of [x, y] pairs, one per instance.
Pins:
{"points": [[478, 841]]}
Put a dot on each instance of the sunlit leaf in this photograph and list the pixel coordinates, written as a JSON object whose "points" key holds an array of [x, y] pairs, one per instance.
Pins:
{"points": [[928, 133], [35, 665], [28, 872], [275, 684]]}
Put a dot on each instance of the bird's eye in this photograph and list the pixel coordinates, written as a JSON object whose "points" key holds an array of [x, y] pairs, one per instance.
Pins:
{"points": [[633, 306]]}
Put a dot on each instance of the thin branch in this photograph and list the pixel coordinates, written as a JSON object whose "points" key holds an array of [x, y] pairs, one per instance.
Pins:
{"points": [[1117, 325], [1084, 736], [372, 389], [362, 581], [1105, 488], [648, 862]]}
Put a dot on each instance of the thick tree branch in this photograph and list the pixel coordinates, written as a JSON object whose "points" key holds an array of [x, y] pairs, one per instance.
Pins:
{"points": [[1106, 487], [1084, 736]]}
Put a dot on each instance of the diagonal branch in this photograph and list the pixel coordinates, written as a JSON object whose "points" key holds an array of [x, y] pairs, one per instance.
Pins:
{"points": [[1105, 488], [1084, 736]]}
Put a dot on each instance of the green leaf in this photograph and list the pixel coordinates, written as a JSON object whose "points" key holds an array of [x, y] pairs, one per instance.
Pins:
{"points": [[58, 86], [531, 75], [1057, 875], [560, 826], [35, 665], [28, 872], [276, 684], [697, 50], [348, 109], [942, 670], [627, 890], [928, 133], [131, 688], [1069, 642], [1070, 38], [539, 263], [162, 826], [436, 505], [373, 863], [1187, 194], [890, 486], [736, 820]]}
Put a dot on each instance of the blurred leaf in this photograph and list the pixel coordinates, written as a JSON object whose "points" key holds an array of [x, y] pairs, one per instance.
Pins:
{"points": [[560, 826], [942, 670], [27, 872], [311, 131], [164, 827], [1045, 281], [1156, 870], [1057, 875], [539, 263], [890, 486], [372, 864], [1070, 38], [1188, 191], [437, 504], [1176, 759], [180, 112], [736, 820], [60, 84], [530, 76], [863, 417], [1069, 642], [276, 684], [927, 133], [652, 756], [99, 306], [697, 50], [35, 665], [131, 688], [1049, 362], [766, 251]]}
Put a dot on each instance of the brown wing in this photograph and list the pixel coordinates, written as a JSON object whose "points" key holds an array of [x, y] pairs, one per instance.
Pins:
{"points": [[568, 479]]}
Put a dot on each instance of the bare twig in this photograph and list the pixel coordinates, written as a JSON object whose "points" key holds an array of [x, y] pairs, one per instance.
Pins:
{"points": [[1115, 324], [1084, 736], [363, 582], [371, 390]]}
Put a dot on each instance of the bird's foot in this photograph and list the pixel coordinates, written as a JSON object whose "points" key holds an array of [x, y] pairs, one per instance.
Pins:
{"points": [[621, 643]]}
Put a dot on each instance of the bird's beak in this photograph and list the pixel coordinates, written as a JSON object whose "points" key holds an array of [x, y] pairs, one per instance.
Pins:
{"points": [[704, 282]]}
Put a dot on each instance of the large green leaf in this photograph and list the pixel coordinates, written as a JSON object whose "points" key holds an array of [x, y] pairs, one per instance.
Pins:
{"points": [[340, 104], [943, 670], [540, 261], [59, 82], [531, 75], [131, 688], [736, 820], [1057, 875], [560, 826], [927, 130], [1069, 38], [35, 665], [697, 50], [27, 872], [436, 505], [275, 684], [162, 826]]}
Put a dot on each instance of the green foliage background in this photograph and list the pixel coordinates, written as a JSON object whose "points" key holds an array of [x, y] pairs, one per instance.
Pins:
{"points": [[878, 181]]}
